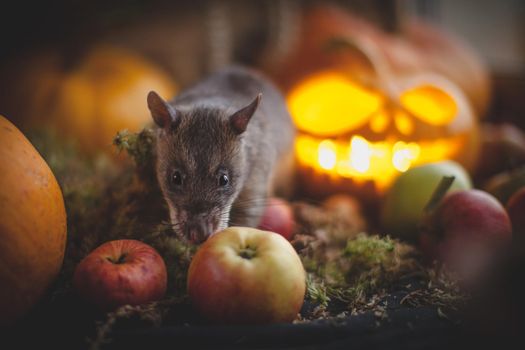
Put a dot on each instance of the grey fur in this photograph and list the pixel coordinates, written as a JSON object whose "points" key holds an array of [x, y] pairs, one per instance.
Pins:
{"points": [[202, 143]]}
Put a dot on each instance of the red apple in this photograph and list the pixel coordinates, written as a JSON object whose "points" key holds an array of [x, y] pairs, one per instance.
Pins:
{"points": [[245, 275], [516, 210], [278, 217], [467, 230], [502, 146], [121, 272]]}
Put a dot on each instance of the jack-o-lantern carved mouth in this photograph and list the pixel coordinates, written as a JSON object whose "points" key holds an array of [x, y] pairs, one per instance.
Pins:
{"points": [[362, 160]]}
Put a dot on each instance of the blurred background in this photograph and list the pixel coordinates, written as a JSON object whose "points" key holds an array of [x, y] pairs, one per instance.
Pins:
{"points": [[182, 35], [85, 67]]}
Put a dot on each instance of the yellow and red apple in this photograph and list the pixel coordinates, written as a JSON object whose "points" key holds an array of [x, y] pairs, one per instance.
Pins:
{"points": [[245, 275]]}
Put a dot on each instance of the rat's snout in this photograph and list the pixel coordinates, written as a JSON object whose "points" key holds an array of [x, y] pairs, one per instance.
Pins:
{"points": [[198, 232], [199, 228]]}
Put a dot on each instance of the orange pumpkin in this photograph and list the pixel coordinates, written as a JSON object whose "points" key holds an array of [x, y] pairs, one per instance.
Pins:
{"points": [[88, 100], [417, 47], [32, 225], [362, 124]]}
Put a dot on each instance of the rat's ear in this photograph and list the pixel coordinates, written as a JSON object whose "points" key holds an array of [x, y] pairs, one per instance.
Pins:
{"points": [[239, 120], [163, 114]]}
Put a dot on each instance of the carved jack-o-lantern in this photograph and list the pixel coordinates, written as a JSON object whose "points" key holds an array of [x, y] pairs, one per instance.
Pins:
{"points": [[361, 125]]}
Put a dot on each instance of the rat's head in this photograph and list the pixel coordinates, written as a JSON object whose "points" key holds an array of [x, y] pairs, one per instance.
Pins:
{"points": [[199, 164]]}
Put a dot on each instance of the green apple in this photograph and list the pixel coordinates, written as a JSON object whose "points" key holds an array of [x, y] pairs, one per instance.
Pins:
{"points": [[411, 191]]}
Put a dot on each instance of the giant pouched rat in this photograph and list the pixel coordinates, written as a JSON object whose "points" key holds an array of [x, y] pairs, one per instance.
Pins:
{"points": [[223, 146]]}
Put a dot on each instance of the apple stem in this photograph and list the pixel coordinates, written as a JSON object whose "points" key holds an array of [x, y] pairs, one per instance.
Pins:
{"points": [[247, 253], [121, 259], [440, 191]]}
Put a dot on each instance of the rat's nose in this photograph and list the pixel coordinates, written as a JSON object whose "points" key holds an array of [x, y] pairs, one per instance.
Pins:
{"points": [[198, 231]]}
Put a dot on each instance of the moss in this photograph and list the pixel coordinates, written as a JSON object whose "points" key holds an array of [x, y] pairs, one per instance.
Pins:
{"points": [[109, 199], [83, 181], [151, 314], [177, 253], [373, 261], [316, 291], [369, 250], [357, 274], [139, 146], [348, 271]]}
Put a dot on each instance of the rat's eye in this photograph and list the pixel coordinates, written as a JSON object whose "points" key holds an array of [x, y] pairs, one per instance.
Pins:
{"points": [[176, 179], [223, 180]]}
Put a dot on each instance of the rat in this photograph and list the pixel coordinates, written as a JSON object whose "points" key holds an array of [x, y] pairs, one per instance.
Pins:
{"points": [[223, 146]]}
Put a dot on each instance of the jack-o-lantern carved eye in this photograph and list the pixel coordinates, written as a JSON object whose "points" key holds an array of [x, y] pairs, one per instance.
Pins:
{"points": [[328, 103], [430, 104]]}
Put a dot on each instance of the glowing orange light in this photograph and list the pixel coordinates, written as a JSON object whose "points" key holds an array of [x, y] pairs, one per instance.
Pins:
{"points": [[379, 122], [360, 154], [403, 123], [361, 160], [361, 133], [329, 103], [404, 154], [327, 157], [430, 104]]}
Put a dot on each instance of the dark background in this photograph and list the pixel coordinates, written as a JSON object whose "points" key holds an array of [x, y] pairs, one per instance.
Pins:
{"points": [[495, 29]]}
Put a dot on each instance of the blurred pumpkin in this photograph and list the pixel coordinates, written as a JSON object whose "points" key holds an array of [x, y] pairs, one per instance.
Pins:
{"points": [[89, 98], [363, 124], [32, 225], [416, 47], [31, 81]]}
